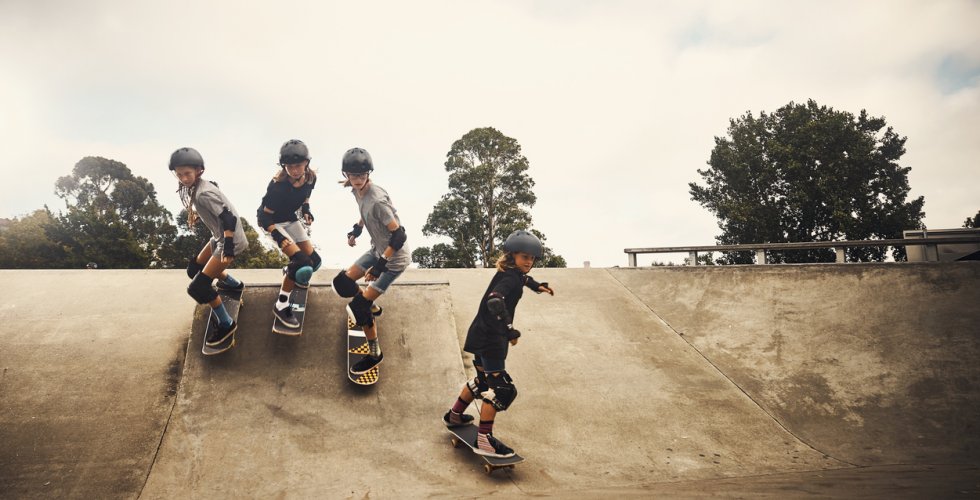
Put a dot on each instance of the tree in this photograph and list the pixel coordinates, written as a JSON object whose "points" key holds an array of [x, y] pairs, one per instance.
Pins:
{"points": [[809, 173], [489, 197], [24, 242], [972, 221], [112, 217]]}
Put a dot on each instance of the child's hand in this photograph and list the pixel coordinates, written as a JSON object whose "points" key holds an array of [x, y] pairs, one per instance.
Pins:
{"points": [[351, 240], [513, 341], [544, 288]]}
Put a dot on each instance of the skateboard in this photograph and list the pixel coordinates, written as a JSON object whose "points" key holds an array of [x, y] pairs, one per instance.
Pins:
{"points": [[466, 434], [233, 301], [357, 349], [297, 300]]}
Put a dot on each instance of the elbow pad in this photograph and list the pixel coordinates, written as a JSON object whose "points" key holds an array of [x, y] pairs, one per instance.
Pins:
{"points": [[264, 218], [228, 220], [497, 307], [398, 237]]}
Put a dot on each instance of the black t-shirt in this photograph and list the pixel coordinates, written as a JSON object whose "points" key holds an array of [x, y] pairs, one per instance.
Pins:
{"points": [[284, 199], [487, 336]]}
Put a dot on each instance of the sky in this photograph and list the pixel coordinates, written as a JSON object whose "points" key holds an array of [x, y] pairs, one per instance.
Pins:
{"points": [[615, 104]]}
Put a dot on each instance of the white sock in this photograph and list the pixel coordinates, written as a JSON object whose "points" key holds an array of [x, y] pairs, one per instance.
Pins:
{"points": [[283, 301]]}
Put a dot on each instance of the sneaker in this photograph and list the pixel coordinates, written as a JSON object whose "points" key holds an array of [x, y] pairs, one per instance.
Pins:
{"points": [[220, 334], [488, 446], [453, 419], [228, 288], [286, 317], [365, 365]]}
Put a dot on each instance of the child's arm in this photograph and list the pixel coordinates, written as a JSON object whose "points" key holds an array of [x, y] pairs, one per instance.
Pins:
{"points": [[395, 243], [538, 287]]}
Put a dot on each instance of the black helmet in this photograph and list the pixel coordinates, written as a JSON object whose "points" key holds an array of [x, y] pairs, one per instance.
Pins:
{"points": [[186, 157], [523, 241], [293, 151], [357, 161]]}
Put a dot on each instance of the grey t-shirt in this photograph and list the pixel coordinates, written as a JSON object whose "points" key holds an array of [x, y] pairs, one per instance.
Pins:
{"points": [[210, 202], [377, 212]]}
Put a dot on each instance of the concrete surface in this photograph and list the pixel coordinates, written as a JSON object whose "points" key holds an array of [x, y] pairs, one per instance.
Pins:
{"points": [[750, 381]]}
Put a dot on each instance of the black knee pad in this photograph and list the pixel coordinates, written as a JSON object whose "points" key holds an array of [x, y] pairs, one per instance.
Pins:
{"points": [[315, 258], [300, 268], [201, 290], [504, 391], [193, 268], [361, 308], [344, 286]]}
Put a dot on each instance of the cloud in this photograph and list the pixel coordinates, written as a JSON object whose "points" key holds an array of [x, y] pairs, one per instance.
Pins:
{"points": [[614, 103]]}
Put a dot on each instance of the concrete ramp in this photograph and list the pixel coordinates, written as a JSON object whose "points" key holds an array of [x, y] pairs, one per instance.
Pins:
{"points": [[836, 380], [89, 366], [610, 396], [870, 363], [276, 415]]}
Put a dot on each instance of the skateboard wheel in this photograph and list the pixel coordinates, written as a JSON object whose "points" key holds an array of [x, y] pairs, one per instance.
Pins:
{"points": [[488, 469], [455, 442]]}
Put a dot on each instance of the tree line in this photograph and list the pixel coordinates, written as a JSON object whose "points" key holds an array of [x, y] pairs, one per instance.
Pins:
{"points": [[112, 218]]}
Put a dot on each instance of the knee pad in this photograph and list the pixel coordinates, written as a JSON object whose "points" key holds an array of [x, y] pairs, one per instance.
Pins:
{"points": [[315, 258], [502, 391], [344, 286], [300, 268], [478, 385], [193, 268], [361, 308], [201, 290]]}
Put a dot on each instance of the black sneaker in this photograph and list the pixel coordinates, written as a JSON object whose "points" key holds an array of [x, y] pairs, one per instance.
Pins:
{"points": [[488, 446], [286, 317], [220, 334], [365, 365], [452, 419], [228, 288]]}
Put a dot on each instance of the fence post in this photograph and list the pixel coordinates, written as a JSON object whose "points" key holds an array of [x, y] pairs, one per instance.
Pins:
{"points": [[760, 256], [693, 256], [632, 259], [841, 257]]}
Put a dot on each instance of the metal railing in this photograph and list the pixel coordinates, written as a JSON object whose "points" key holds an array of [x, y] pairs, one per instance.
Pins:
{"points": [[930, 244]]}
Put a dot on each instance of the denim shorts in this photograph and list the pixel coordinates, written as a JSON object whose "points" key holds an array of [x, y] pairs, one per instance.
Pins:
{"points": [[381, 284], [295, 230], [489, 365]]}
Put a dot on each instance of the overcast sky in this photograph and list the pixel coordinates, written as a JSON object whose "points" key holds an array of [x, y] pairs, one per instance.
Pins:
{"points": [[615, 103]]}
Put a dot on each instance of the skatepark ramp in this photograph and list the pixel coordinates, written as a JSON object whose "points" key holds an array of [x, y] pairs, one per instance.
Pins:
{"points": [[834, 380]]}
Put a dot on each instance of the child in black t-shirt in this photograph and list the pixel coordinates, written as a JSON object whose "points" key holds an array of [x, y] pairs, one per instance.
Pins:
{"points": [[489, 337]]}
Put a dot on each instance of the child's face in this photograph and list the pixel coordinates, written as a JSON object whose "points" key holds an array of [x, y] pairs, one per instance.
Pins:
{"points": [[187, 176], [296, 170], [357, 180], [524, 261]]}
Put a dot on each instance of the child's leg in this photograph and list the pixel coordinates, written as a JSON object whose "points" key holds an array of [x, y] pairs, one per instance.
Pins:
{"points": [[213, 269], [471, 389]]}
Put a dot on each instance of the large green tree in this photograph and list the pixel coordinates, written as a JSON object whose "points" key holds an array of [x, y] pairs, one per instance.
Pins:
{"points": [[809, 173], [24, 242], [112, 218], [489, 197]]}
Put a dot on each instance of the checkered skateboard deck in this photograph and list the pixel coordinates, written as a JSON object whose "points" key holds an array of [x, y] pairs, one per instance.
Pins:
{"points": [[233, 302], [357, 348]]}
